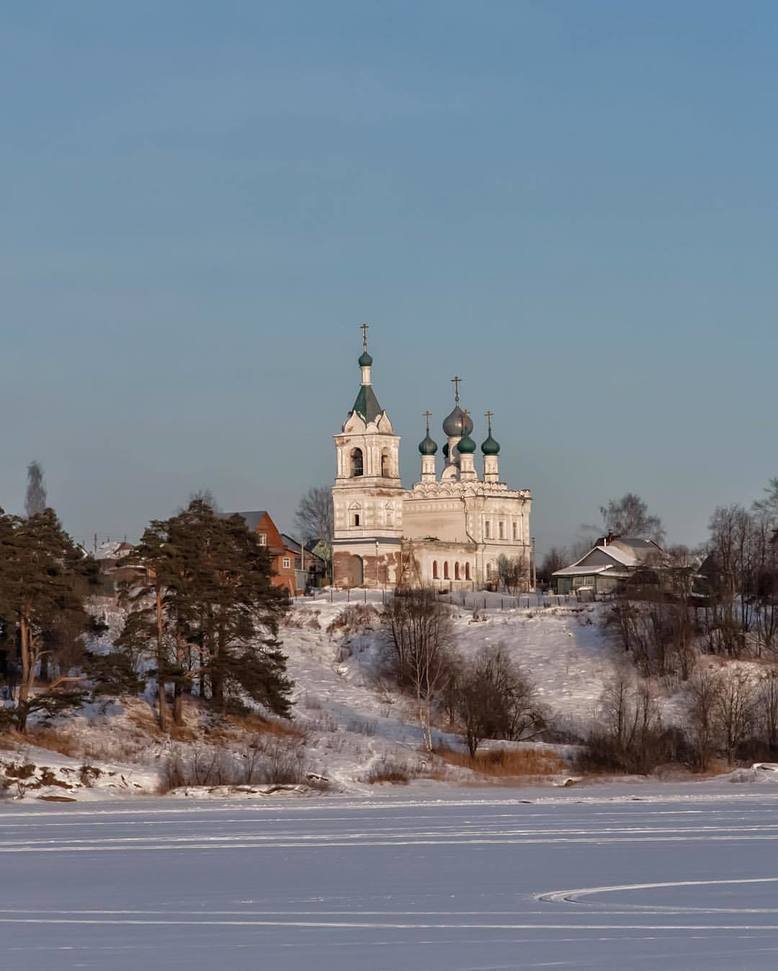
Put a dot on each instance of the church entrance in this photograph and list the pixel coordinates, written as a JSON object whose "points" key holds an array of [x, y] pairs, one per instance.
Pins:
{"points": [[355, 571]]}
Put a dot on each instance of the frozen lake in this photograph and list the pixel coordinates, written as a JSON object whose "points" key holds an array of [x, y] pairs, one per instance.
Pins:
{"points": [[680, 877]]}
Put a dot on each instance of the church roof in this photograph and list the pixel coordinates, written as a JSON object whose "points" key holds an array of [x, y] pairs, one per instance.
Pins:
{"points": [[366, 404]]}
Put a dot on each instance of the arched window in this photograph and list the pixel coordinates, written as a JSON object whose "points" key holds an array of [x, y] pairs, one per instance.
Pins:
{"points": [[467, 571], [385, 464], [445, 570], [355, 514], [456, 571], [357, 462], [434, 569]]}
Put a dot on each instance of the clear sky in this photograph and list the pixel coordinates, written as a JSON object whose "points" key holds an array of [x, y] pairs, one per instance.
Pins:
{"points": [[571, 204]]}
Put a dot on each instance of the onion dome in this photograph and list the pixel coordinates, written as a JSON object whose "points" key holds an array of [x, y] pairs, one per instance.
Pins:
{"points": [[490, 446], [427, 446], [457, 424], [466, 445], [365, 360]]}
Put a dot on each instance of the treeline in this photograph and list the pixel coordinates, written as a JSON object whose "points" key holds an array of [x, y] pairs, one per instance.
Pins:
{"points": [[201, 618]]}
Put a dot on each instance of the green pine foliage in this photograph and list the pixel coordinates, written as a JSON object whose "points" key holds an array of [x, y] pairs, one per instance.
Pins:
{"points": [[44, 579], [203, 614]]}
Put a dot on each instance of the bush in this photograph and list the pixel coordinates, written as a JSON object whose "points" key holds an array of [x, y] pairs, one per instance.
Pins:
{"points": [[265, 761], [387, 770]]}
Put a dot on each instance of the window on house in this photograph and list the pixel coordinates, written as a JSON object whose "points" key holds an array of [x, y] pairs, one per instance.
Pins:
{"points": [[501, 527], [488, 529], [445, 570], [262, 538], [434, 569], [357, 462], [287, 563]]}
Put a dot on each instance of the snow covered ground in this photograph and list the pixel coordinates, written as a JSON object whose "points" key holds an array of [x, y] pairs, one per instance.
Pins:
{"points": [[682, 877]]}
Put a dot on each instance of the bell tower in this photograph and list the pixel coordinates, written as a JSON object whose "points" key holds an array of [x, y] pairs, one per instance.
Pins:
{"points": [[368, 493]]}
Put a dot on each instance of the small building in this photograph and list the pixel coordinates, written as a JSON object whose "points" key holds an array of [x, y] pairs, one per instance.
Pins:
{"points": [[112, 570], [612, 562], [268, 535], [310, 568]]}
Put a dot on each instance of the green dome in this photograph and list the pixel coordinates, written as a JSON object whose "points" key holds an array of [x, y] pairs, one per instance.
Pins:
{"points": [[428, 447], [490, 446], [365, 360], [466, 445]]}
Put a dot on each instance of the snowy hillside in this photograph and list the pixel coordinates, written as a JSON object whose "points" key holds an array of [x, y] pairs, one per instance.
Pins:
{"points": [[351, 726]]}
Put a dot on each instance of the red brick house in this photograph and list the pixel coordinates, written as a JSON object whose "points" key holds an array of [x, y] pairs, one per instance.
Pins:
{"points": [[282, 556]]}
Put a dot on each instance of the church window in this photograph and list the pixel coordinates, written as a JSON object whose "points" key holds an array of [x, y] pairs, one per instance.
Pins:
{"points": [[515, 530], [456, 571], [385, 464], [434, 569], [357, 462], [389, 514], [488, 529], [467, 571], [445, 570], [355, 514], [502, 530]]}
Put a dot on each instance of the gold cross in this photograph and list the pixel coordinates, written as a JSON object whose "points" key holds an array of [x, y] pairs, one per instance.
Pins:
{"points": [[456, 381]]}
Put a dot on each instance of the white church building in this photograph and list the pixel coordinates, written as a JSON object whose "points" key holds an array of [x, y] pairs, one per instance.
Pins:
{"points": [[449, 530]]}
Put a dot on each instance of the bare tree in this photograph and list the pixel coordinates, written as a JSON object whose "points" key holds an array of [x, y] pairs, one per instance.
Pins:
{"points": [[514, 573], [35, 501], [630, 737], [315, 518], [767, 507], [555, 559], [629, 516], [731, 575], [702, 702], [495, 699], [420, 629], [768, 707], [735, 709]]}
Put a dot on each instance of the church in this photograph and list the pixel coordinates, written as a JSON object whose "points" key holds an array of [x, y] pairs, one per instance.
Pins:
{"points": [[458, 527]]}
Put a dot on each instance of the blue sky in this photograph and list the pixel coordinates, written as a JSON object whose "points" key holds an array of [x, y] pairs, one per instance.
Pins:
{"points": [[572, 205]]}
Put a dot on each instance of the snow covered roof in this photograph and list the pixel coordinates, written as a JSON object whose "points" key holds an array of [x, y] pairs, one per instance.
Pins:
{"points": [[622, 551], [111, 550]]}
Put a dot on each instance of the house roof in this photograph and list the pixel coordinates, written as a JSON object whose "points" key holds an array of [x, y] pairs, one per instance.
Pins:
{"points": [[252, 518], [294, 545], [112, 550], [629, 552]]}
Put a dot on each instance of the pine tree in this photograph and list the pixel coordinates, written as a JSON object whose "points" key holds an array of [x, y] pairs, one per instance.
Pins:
{"points": [[42, 587], [207, 612]]}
